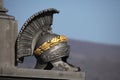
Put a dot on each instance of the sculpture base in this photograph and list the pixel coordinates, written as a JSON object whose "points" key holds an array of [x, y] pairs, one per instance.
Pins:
{"points": [[24, 74], [8, 71]]}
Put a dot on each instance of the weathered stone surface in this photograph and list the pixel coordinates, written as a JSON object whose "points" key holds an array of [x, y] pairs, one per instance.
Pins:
{"points": [[8, 70], [35, 73], [8, 33]]}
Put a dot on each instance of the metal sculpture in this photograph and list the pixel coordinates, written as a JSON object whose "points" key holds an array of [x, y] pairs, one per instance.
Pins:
{"points": [[36, 38]]}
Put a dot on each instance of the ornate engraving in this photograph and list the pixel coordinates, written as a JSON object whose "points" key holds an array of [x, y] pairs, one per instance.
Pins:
{"points": [[46, 45]]}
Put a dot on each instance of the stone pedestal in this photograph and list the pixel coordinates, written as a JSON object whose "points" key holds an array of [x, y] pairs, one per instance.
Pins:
{"points": [[8, 70], [8, 33]]}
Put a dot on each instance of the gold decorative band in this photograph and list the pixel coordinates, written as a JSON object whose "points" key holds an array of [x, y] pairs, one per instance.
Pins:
{"points": [[46, 45]]}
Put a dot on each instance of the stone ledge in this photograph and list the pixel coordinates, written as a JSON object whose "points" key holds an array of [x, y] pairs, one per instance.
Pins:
{"points": [[46, 74]]}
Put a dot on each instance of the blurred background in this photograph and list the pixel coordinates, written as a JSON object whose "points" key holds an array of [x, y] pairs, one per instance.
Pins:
{"points": [[92, 27]]}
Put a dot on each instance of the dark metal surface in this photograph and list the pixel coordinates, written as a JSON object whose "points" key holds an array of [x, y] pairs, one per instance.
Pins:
{"points": [[37, 25], [37, 33], [54, 52]]}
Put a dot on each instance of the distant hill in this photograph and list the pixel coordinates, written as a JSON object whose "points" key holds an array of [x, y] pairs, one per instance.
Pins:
{"points": [[99, 61]]}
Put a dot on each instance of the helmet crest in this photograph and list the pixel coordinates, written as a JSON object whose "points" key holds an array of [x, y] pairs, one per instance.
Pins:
{"points": [[36, 38]]}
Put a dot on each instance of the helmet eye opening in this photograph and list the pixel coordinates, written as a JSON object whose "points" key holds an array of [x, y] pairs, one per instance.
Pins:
{"points": [[65, 58]]}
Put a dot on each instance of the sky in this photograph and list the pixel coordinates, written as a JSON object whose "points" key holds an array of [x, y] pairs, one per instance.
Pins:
{"points": [[87, 20]]}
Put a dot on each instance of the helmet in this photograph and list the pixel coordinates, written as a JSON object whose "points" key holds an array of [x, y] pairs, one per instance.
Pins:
{"points": [[51, 47], [36, 26], [36, 38]]}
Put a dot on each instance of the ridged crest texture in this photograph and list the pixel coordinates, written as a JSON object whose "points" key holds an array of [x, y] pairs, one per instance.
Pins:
{"points": [[31, 30]]}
